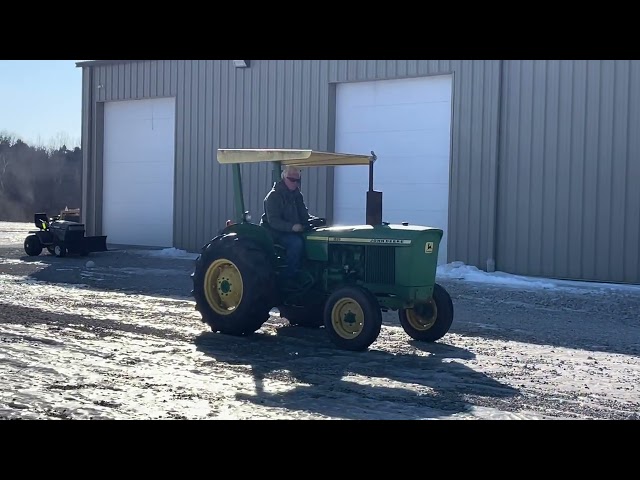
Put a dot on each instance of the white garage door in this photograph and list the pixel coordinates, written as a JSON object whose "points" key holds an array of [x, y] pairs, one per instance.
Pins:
{"points": [[138, 169], [407, 123]]}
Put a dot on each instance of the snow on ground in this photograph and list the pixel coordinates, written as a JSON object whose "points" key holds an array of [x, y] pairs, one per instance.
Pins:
{"points": [[168, 253], [73, 351], [539, 349], [14, 232], [108, 355], [460, 271]]}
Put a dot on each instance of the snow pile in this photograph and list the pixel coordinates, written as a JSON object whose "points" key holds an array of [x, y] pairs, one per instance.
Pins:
{"points": [[171, 253], [19, 261], [460, 271]]}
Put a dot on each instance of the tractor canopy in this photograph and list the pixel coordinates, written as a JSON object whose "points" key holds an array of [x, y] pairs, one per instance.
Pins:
{"points": [[297, 158]]}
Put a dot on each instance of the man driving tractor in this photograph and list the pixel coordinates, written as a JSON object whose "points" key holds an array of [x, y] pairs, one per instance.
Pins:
{"points": [[286, 216]]}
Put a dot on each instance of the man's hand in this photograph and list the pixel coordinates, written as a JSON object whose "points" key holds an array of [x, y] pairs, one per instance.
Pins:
{"points": [[297, 228]]}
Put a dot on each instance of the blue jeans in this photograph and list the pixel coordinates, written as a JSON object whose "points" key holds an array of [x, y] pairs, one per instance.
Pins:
{"points": [[294, 245]]}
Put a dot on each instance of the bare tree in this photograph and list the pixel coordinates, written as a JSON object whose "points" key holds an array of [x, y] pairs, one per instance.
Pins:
{"points": [[39, 143], [61, 139], [34, 179], [4, 163], [7, 139]]}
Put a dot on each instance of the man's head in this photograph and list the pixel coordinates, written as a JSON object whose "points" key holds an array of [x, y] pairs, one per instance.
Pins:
{"points": [[291, 177]]}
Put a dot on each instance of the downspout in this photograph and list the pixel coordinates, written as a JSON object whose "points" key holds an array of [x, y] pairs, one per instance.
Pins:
{"points": [[495, 177], [87, 210], [92, 166]]}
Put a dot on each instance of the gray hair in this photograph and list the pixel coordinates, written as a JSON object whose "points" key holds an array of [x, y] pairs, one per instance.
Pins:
{"points": [[289, 169]]}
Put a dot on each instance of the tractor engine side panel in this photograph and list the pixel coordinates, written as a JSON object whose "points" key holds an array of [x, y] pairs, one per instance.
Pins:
{"points": [[370, 264]]}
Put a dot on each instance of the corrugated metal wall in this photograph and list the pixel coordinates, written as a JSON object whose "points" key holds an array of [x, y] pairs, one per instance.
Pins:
{"points": [[556, 140], [291, 104], [569, 198]]}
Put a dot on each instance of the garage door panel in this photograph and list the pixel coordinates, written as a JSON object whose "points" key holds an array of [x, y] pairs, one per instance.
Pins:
{"points": [[415, 188], [413, 90], [421, 169], [419, 177], [138, 172], [416, 170], [403, 196], [140, 231], [143, 172], [355, 215], [145, 109], [402, 117], [407, 123], [130, 200], [437, 218], [409, 197], [394, 143], [155, 144]]}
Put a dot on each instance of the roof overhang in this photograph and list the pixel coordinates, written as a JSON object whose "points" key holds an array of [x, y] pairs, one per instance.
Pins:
{"points": [[93, 63]]}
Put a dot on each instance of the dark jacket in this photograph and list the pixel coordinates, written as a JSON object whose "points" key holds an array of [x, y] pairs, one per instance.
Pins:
{"points": [[284, 208]]}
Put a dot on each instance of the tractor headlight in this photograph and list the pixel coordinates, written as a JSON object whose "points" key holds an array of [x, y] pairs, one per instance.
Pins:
{"points": [[247, 216]]}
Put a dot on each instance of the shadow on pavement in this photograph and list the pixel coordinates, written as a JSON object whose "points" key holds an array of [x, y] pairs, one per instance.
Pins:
{"points": [[365, 385], [583, 318], [122, 271]]}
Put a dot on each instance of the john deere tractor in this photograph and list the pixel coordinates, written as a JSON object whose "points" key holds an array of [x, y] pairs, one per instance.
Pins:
{"points": [[350, 274]]}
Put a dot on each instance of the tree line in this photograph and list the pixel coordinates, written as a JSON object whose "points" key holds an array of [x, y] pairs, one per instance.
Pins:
{"points": [[37, 179]]}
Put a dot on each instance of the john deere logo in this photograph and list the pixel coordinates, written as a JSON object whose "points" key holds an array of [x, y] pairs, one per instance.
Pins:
{"points": [[387, 240], [428, 248]]}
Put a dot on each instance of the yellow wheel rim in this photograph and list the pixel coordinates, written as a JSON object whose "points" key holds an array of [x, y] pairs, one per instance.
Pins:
{"points": [[223, 286], [347, 318], [422, 321]]}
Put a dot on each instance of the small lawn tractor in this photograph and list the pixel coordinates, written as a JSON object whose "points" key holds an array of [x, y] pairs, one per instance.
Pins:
{"points": [[349, 276], [61, 237]]}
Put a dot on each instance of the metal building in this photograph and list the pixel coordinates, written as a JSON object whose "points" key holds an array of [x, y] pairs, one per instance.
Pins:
{"points": [[531, 167]]}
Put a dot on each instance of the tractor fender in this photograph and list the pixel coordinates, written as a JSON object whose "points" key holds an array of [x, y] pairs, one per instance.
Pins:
{"points": [[250, 231]]}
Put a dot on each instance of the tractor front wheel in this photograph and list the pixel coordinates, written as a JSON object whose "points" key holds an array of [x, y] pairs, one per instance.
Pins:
{"points": [[32, 246], [429, 321], [353, 318], [233, 285]]}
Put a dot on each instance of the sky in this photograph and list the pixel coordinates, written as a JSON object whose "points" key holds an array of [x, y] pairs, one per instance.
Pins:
{"points": [[41, 101]]}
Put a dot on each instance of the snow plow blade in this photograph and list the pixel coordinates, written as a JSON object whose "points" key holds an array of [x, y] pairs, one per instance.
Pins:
{"points": [[96, 244]]}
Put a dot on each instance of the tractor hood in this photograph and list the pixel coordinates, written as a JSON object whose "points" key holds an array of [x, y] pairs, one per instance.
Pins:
{"points": [[402, 256], [391, 234]]}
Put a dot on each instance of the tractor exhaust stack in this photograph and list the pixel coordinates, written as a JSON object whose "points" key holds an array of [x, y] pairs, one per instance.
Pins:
{"points": [[374, 199]]}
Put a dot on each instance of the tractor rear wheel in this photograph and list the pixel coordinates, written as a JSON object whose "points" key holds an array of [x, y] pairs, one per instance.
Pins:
{"points": [[32, 246], [429, 321], [353, 318], [233, 285]]}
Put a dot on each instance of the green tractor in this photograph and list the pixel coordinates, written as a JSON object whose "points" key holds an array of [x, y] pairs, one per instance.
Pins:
{"points": [[349, 276]]}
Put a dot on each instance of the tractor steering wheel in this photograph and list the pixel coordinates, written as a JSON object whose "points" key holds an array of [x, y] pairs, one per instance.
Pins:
{"points": [[314, 223]]}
